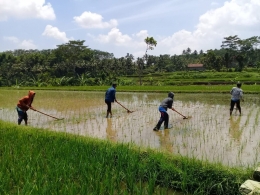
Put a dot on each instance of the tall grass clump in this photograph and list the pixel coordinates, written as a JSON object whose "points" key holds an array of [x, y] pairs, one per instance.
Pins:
{"points": [[36, 161]]}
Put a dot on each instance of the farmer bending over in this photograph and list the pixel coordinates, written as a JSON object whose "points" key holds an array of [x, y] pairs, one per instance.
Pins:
{"points": [[236, 95], [166, 103], [23, 105], [110, 97]]}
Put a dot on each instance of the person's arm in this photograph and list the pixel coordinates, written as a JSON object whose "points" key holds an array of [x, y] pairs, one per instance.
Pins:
{"points": [[23, 102], [113, 94], [169, 103], [30, 107], [241, 95]]}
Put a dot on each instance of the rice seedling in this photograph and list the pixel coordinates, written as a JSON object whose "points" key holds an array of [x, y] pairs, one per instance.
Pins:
{"points": [[207, 135]]}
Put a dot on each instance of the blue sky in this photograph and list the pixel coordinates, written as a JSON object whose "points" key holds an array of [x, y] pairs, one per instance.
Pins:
{"points": [[120, 26]]}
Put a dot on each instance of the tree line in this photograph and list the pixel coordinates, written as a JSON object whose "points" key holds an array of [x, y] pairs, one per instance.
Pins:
{"points": [[73, 63]]}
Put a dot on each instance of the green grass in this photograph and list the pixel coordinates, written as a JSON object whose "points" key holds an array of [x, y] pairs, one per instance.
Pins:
{"points": [[197, 78], [36, 161], [157, 89], [181, 82]]}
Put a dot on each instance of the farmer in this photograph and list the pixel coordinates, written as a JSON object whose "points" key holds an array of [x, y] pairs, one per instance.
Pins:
{"points": [[110, 97], [236, 96], [23, 105], [166, 103]]}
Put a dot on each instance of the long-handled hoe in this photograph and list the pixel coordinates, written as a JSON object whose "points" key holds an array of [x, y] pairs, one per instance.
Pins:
{"points": [[184, 117], [47, 114], [128, 111]]}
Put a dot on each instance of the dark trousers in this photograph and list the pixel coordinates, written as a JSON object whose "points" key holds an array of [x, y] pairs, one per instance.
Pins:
{"points": [[233, 103], [22, 116], [164, 118], [108, 105]]}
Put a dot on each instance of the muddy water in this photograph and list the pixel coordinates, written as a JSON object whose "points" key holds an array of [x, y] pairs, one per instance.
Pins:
{"points": [[208, 133]]}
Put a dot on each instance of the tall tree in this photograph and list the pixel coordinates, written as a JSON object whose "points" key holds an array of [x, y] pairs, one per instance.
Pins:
{"points": [[195, 53], [212, 61], [69, 53], [188, 51], [129, 66], [163, 62], [140, 64], [231, 45], [150, 44], [248, 49]]}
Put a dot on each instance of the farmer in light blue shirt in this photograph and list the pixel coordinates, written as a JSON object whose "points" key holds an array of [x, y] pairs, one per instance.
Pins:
{"points": [[110, 97], [236, 96], [166, 103]]}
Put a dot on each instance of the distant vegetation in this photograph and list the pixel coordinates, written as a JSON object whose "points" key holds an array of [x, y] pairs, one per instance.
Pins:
{"points": [[180, 78], [74, 64]]}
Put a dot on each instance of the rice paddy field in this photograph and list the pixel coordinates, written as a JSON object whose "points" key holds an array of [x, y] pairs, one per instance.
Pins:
{"points": [[208, 133]]}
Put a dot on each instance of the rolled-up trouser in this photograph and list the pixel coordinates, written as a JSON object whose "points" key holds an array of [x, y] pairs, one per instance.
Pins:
{"points": [[22, 115], [164, 118]]}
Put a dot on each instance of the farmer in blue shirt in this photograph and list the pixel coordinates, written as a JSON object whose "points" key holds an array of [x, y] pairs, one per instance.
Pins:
{"points": [[236, 96], [166, 103], [110, 97]]}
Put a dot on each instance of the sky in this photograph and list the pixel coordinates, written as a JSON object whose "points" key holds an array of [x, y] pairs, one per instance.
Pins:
{"points": [[120, 26]]}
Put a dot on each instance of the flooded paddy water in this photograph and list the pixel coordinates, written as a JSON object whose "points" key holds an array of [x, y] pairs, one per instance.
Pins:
{"points": [[208, 134]]}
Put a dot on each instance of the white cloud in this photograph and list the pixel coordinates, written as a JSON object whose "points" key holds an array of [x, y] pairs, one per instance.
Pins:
{"points": [[232, 15], [93, 20], [141, 35], [27, 44], [177, 42], [237, 17], [24, 44], [55, 33], [115, 37], [22, 9], [26, 9]]}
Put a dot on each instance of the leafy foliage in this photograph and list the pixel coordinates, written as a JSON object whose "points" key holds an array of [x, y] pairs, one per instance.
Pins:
{"points": [[73, 63]]}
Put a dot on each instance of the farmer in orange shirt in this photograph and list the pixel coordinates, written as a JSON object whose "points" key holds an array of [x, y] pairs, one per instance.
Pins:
{"points": [[23, 105]]}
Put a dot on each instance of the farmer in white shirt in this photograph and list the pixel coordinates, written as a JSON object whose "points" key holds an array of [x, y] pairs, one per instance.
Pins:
{"points": [[236, 96]]}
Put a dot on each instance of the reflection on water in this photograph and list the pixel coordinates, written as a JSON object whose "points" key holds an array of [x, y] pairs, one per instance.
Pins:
{"points": [[110, 131], [235, 130], [165, 141], [208, 134]]}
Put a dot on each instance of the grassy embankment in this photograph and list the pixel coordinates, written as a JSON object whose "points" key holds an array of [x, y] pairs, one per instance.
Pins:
{"points": [[251, 76], [36, 161], [155, 89], [180, 82]]}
